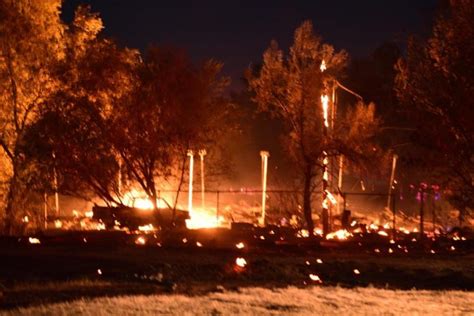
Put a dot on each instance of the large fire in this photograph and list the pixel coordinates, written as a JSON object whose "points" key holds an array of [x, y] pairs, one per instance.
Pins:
{"points": [[200, 218], [134, 198]]}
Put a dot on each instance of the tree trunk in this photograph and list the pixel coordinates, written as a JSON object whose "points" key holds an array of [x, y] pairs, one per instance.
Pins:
{"points": [[181, 181], [9, 209], [307, 201], [154, 202]]}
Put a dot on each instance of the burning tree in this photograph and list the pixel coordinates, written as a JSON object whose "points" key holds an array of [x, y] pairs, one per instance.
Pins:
{"points": [[174, 106], [71, 137], [30, 44], [436, 83], [120, 122], [292, 89]]}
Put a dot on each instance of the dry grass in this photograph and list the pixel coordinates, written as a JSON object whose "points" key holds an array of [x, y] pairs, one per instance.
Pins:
{"points": [[260, 301]]}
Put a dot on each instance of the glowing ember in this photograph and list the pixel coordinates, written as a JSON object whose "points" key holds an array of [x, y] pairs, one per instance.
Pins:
{"points": [[241, 262], [146, 228], [58, 223], [198, 244], [240, 245], [319, 261], [302, 233], [404, 230], [262, 237], [356, 271], [307, 263], [432, 251], [392, 241], [25, 219], [341, 234], [377, 250], [353, 223], [382, 233], [33, 240], [390, 250], [452, 248], [185, 240], [99, 271], [315, 278], [140, 240], [358, 230], [323, 66], [373, 226], [318, 231]]}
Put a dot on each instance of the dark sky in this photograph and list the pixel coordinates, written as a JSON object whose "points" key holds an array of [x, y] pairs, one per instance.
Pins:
{"points": [[237, 32]]}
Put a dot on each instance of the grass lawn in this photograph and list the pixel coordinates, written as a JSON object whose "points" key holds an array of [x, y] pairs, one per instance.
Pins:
{"points": [[263, 301]]}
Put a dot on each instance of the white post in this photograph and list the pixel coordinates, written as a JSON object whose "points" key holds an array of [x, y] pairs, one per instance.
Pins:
{"points": [[264, 155], [190, 189], [202, 153]]}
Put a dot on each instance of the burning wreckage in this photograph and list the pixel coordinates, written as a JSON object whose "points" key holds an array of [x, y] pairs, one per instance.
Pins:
{"points": [[135, 218]]}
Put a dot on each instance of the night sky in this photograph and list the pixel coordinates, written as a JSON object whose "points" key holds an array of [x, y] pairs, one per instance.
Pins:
{"points": [[237, 32]]}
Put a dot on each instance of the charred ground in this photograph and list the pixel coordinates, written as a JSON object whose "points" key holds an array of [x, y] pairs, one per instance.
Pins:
{"points": [[76, 265]]}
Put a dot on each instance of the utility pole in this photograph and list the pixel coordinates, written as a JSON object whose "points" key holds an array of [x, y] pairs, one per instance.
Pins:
{"points": [[337, 84], [202, 153], [325, 182], [264, 155], [190, 188]]}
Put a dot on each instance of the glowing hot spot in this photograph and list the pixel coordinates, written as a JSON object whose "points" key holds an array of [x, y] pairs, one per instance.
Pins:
{"points": [[241, 262]]}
